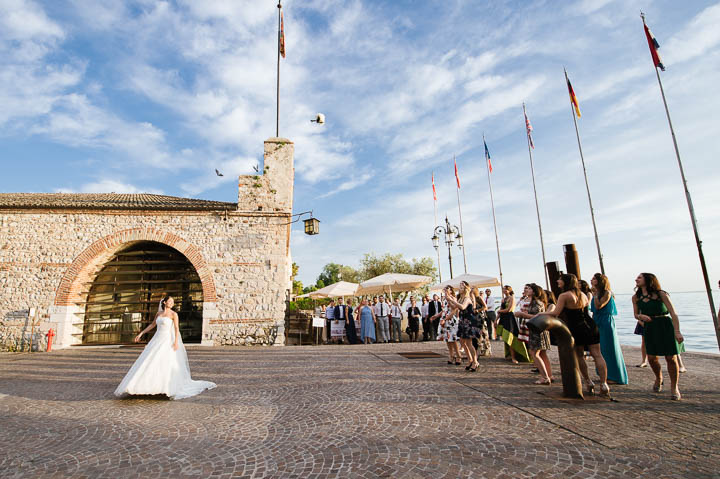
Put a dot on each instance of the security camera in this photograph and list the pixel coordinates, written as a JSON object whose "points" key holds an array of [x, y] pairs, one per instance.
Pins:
{"points": [[319, 119]]}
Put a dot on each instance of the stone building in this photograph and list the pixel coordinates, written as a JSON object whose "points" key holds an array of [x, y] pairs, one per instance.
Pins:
{"points": [[93, 267]]}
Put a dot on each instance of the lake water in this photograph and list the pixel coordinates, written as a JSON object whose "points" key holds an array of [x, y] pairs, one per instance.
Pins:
{"points": [[693, 310]]}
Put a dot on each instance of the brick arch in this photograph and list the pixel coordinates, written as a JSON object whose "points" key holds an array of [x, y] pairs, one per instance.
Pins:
{"points": [[84, 267]]}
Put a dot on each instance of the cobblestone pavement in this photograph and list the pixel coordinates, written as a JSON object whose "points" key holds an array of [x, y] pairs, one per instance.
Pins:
{"points": [[348, 411]]}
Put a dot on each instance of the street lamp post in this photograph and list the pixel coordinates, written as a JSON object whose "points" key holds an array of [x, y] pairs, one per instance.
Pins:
{"points": [[452, 234]]}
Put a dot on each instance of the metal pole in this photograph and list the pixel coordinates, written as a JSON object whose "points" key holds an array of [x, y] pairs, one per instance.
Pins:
{"points": [[537, 207], [698, 242], [587, 186], [437, 250], [461, 225], [277, 112], [449, 245], [492, 204]]}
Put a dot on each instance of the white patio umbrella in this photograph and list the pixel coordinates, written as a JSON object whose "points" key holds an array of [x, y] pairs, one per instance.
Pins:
{"points": [[390, 282], [336, 290], [306, 295], [472, 279]]}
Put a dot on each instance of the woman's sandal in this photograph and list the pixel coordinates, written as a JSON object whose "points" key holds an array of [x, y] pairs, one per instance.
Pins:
{"points": [[641, 365], [605, 390], [543, 381], [676, 396], [591, 388], [658, 387]]}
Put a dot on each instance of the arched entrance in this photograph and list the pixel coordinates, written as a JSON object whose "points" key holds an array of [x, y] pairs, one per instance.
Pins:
{"points": [[123, 297]]}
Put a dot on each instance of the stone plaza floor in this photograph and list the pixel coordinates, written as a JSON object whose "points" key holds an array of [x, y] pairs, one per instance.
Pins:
{"points": [[349, 411]]}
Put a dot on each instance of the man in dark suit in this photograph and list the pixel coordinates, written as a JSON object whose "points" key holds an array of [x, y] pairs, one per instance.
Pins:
{"points": [[434, 308], [343, 312]]}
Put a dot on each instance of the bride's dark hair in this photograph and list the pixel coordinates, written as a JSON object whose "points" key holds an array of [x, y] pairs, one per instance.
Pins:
{"points": [[163, 301]]}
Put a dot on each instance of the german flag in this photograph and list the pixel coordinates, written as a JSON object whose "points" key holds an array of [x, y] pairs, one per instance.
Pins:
{"points": [[573, 98]]}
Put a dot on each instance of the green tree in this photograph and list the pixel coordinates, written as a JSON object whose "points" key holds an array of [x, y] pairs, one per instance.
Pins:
{"points": [[297, 286], [330, 274], [334, 272], [372, 265]]}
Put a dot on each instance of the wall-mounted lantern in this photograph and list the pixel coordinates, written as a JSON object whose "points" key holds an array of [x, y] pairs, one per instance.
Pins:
{"points": [[312, 225]]}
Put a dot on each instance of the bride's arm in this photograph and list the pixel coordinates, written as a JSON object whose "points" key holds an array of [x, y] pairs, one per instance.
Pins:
{"points": [[148, 329], [176, 323]]}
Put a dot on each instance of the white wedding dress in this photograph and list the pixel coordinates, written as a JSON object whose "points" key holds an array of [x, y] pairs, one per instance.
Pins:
{"points": [[160, 370]]}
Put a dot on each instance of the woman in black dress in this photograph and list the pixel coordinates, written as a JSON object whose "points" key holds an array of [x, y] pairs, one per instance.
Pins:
{"points": [[572, 309], [468, 327]]}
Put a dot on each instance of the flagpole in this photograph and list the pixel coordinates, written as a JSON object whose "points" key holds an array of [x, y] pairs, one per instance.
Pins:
{"points": [[698, 242], [492, 205], [277, 112], [457, 189], [537, 206], [587, 186], [437, 250]]}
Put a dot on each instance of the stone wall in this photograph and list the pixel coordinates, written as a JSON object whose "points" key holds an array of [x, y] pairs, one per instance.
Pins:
{"points": [[242, 257]]}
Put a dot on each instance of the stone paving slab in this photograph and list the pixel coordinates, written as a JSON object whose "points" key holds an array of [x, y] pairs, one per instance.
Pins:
{"points": [[348, 411]]}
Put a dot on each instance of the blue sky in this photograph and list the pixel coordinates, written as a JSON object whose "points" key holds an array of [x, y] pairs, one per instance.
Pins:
{"points": [[152, 96]]}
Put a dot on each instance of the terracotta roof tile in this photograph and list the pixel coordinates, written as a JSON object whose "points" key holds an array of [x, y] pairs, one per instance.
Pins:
{"points": [[108, 201]]}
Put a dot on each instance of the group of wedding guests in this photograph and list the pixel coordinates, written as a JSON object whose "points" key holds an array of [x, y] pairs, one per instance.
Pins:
{"points": [[466, 320], [589, 312]]}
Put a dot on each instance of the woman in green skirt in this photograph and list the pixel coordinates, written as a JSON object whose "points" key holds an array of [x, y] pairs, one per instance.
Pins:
{"points": [[661, 329]]}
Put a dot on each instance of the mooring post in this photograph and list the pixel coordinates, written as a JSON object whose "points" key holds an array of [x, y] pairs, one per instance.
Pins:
{"points": [[572, 385]]}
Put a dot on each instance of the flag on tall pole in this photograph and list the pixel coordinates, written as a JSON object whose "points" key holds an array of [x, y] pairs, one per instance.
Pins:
{"points": [[434, 192], [575, 110], [437, 250], [487, 156], [529, 129], [657, 62], [531, 146], [280, 51], [573, 98], [457, 179], [281, 42], [654, 46], [492, 205]]}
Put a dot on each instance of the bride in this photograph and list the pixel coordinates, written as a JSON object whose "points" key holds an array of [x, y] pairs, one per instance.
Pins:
{"points": [[163, 367]]}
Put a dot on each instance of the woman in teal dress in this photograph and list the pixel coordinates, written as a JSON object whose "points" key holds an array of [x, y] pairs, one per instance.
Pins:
{"points": [[604, 312], [661, 330]]}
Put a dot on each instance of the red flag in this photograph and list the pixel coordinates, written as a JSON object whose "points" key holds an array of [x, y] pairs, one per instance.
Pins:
{"points": [[529, 129], [281, 38], [457, 177], [434, 192]]}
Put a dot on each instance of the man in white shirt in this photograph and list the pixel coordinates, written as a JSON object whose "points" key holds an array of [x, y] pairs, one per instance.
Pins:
{"points": [[329, 316], [424, 310], [382, 314], [491, 315], [396, 318]]}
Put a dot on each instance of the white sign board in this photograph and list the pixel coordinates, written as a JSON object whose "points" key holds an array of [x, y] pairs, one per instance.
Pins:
{"points": [[318, 322], [337, 329]]}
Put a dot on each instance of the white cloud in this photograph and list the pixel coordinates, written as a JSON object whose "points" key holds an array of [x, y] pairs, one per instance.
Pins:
{"points": [[697, 37]]}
